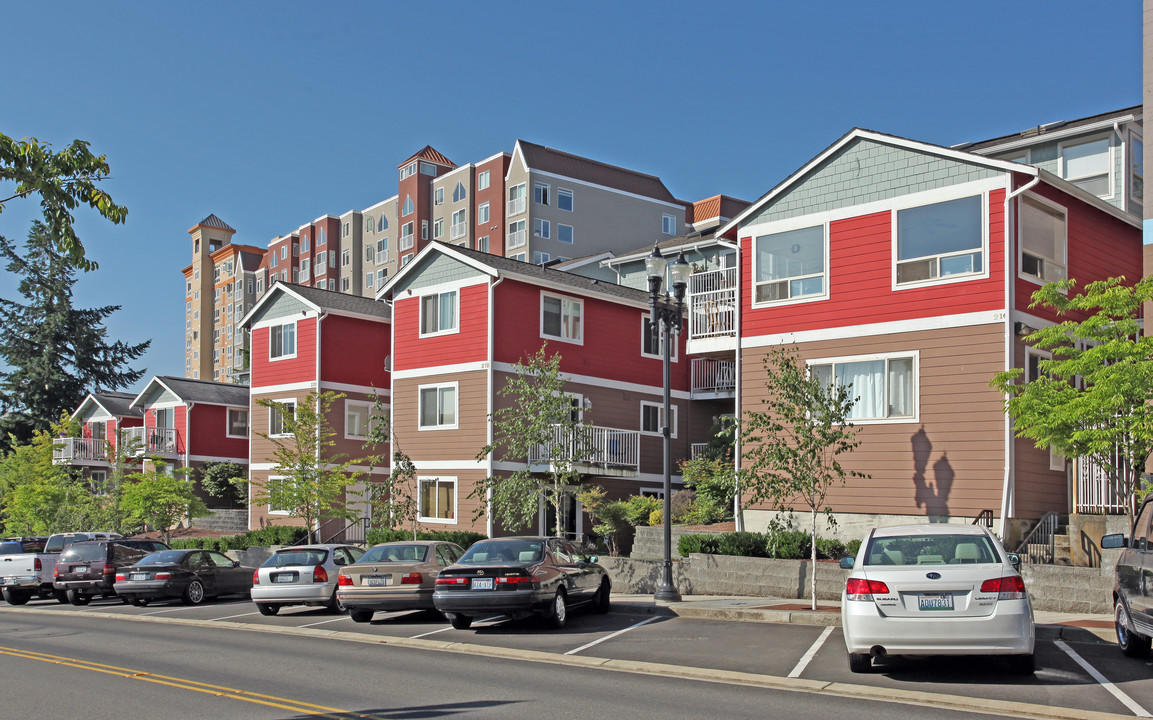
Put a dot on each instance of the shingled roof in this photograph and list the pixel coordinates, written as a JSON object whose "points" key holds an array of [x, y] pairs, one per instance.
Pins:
{"points": [[1041, 130], [334, 300], [204, 391], [213, 222], [546, 159]]}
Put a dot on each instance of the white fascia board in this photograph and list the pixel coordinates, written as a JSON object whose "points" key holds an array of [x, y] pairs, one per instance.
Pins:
{"points": [[434, 246], [642, 255], [325, 217], [605, 188], [1088, 197], [370, 208], [1056, 135], [579, 292], [269, 294], [454, 171], [490, 158]]}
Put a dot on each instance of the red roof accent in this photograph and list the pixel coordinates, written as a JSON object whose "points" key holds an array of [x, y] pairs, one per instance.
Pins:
{"points": [[430, 154]]}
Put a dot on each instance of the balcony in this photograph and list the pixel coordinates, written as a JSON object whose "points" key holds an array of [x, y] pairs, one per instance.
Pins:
{"points": [[152, 440], [517, 239], [457, 231], [68, 451], [713, 379], [515, 206], [600, 450], [712, 310], [406, 241]]}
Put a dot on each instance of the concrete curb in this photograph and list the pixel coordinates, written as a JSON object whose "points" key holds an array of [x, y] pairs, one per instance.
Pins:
{"points": [[818, 687]]}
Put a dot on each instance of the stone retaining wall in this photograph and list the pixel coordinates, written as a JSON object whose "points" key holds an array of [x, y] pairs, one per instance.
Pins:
{"points": [[233, 522]]}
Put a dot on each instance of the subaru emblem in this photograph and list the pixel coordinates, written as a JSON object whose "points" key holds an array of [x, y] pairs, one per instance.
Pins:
{"points": [[933, 575]]}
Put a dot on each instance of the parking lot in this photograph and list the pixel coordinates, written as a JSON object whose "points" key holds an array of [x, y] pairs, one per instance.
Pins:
{"points": [[1076, 669]]}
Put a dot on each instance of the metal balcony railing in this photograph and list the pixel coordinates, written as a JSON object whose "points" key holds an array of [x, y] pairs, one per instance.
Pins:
{"points": [[697, 450], [406, 241], [515, 206], [713, 376], [1094, 491], [457, 231], [712, 303], [591, 445], [517, 239], [69, 450], [153, 440]]}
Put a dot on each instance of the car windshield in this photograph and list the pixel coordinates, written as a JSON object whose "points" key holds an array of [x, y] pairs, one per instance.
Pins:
{"points": [[164, 557], [282, 558], [395, 553], [930, 550], [502, 551], [94, 552]]}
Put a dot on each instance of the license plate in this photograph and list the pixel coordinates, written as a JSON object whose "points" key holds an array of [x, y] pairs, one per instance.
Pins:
{"points": [[935, 602], [80, 568], [377, 580], [285, 578], [481, 584], [137, 576]]}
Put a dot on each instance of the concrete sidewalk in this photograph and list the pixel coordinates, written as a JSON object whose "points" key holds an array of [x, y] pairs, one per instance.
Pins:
{"points": [[798, 612]]}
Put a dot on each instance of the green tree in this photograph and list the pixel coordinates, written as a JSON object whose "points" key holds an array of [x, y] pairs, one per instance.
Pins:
{"points": [[609, 516], [397, 491], [538, 426], [64, 180], [314, 480], [714, 481], [792, 447], [225, 480], [1092, 398], [155, 497], [53, 353]]}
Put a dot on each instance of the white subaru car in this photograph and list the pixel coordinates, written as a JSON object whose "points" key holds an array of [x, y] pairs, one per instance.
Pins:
{"points": [[301, 575], [935, 589]]}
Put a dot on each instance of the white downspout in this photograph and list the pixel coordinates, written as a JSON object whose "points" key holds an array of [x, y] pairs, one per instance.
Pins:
{"points": [[1007, 486], [320, 419], [488, 521], [739, 517]]}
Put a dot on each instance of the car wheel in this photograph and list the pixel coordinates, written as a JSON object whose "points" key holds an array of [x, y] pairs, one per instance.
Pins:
{"points": [[76, 598], [194, 593], [138, 602], [1131, 643], [360, 616], [461, 622], [335, 604], [266, 609], [601, 601], [860, 662], [60, 595], [558, 613], [1022, 664], [15, 597]]}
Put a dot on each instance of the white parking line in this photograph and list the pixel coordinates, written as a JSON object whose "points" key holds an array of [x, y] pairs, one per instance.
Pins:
{"points": [[229, 617], [322, 622], [1103, 681], [167, 610], [434, 632], [812, 652], [610, 636]]}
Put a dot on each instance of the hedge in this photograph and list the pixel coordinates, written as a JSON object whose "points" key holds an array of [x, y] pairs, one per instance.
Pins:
{"points": [[786, 545]]}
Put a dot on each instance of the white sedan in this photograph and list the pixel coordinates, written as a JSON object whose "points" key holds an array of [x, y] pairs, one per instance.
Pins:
{"points": [[301, 575], [935, 589]]}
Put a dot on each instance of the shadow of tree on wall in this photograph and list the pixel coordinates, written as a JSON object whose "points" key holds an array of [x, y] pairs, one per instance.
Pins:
{"points": [[934, 495]]}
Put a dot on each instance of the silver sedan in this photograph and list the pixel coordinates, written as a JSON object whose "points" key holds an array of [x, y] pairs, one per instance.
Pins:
{"points": [[304, 575]]}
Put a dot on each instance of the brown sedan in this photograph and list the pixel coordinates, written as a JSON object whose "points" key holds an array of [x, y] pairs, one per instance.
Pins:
{"points": [[394, 576]]}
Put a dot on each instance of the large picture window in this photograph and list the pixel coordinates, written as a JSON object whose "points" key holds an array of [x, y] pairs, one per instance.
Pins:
{"points": [[438, 313], [1042, 240], [282, 341], [940, 240], [790, 264], [1086, 165], [883, 387], [437, 500], [438, 406], [561, 318]]}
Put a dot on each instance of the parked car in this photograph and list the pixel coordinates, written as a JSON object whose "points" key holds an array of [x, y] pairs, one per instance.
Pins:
{"points": [[936, 589], [519, 577], [394, 576], [304, 575], [1133, 584], [87, 569], [33, 571], [190, 575]]}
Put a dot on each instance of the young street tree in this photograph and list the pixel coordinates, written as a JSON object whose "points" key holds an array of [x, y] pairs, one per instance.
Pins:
{"points": [[64, 180], [314, 481], [153, 497], [53, 353], [538, 426], [792, 447], [397, 492], [1092, 399]]}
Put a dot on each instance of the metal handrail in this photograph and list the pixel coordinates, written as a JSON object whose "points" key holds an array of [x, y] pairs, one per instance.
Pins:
{"points": [[985, 517], [1039, 546], [360, 525]]}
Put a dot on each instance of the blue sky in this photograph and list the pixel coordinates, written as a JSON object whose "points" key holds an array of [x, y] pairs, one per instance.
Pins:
{"points": [[272, 114]]}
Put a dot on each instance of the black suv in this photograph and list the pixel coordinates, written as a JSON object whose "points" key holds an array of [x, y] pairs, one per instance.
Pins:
{"points": [[86, 569], [1133, 588]]}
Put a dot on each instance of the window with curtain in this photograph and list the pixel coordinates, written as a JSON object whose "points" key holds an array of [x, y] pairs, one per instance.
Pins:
{"points": [[882, 388], [438, 313]]}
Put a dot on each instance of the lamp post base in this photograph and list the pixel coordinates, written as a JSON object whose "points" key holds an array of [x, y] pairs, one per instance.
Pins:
{"points": [[667, 593]]}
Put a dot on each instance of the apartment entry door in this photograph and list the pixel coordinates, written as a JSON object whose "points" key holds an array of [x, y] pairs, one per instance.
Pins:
{"points": [[572, 515]]}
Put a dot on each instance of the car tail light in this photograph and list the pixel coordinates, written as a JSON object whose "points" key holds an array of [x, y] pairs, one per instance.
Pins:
{"points": [[1010, 587], [37, 565], [862, 589], [120, 577], [255, 577], [343, 579], [319, 575], [109, 569], [410, 579], [451, 581], [514, 579], [56, 571], [162, 576]]}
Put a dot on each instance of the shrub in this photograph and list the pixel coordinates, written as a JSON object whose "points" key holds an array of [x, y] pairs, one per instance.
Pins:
{"points": [[744, 544], [830, 548], [789, 544], [639, 508], [695, 543], [853, 548], [657, 517], [681, 504]]}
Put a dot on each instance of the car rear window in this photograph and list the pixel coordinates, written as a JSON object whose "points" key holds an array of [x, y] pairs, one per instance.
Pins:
{"points": [[94, 552], [165, 557], [503, 551], [930, 550], [10, 548], [282, 558], [395, 553]]}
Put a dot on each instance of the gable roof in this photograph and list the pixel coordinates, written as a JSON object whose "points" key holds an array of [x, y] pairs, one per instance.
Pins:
{"points": [[196, 391], [557, 162], [116, 404], [213, 222], [428, 152], [329, 301]]}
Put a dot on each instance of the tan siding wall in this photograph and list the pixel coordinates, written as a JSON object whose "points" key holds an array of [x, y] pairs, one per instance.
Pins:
{"points": [[950, 463], [471, 433], [1037, 488]]}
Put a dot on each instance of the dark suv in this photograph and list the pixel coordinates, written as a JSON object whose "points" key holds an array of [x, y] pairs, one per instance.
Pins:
{"points": [[87, 569], [1133, 587]]}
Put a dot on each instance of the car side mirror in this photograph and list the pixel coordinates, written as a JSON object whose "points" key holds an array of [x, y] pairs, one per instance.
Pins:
{"points": [[847, 562], [1116, 540], [1014, 560], [235, 563], [592, 558]]}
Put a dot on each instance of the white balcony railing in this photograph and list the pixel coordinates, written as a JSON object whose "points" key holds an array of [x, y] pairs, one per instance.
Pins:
{"points": [[697, 450], [406, 242], [515, 206], [712, 303], [153, 440], [70, 450], [713, 376], [591, 445], [1094, 493], [457, 231], [517, 239]]}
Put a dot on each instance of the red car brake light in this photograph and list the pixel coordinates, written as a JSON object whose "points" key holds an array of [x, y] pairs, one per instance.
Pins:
{"points": [[163, 576], [121, 577], [255, 577], [862, 589], [37, 565], [514, 579], [109, 569], [343, 580], [319, 575], [451, 581], [1010, 587], [412, 578]]}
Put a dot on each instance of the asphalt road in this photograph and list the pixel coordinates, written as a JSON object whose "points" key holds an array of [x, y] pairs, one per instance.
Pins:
{"points": [[325, 661]]}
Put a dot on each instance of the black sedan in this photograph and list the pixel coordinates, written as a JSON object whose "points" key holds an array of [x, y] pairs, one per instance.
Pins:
{"points": [[190, 575], [520, 577]]}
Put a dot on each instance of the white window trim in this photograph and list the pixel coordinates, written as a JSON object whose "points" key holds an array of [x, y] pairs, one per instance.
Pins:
{"points": [[228, 424], [1043, 354], [1108, 138], [483, 179], [295, 342], [1127, 178], [660, 406], [539, 224], [559, 239], [658, 355], [270, 479], [546, 194], [932, 198], [273, 410], [420, 312], [368, 417], [571, 196], [420, 408], [1021, 246], [484, 213], [798, 224], [563, 299], [421, 517], [914, 354]]}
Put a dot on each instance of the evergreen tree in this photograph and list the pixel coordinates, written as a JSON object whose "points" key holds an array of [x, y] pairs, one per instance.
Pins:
{"points": [[54, 353]]}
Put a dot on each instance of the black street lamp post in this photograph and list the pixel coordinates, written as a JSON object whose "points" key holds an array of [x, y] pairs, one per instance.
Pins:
{"points": [[667, 315]]}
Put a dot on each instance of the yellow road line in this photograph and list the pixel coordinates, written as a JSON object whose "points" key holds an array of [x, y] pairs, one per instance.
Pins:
{"points": [[182, 683]]}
